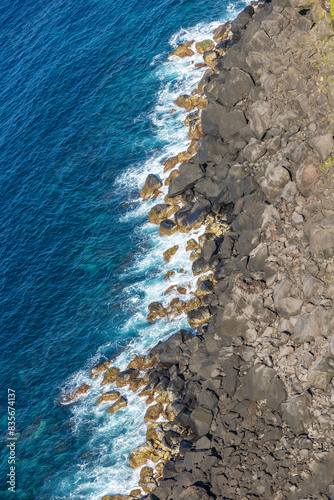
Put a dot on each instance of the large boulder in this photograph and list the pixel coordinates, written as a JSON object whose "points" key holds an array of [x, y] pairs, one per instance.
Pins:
{"points": [[233, 123], [124, 377], [110, 375], [223, 32], [307, 176], [183, 50], [200, 420], [78, 392], [321, 235], [295, 412], [276, 177], [120, 403], [151, 185], [109, 396], [204, 46], [99, 368], [260, 118], [321, 372], [161, 212], [237, 86], [261, 383], [190, 173], [199, 316]]}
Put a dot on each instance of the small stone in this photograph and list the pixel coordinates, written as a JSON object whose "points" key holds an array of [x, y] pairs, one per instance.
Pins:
{"points": [[170, 252]]}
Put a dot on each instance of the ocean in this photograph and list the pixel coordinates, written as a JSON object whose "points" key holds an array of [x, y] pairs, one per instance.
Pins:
{"points": [[85, 106]]}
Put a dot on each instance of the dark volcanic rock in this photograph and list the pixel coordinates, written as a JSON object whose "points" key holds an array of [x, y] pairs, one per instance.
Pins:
{"points": [[237, 86], [190, 173]]}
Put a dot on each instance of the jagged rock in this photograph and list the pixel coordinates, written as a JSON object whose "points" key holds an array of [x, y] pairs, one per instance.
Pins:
{"points": [[204, 288], [262, 383], [321, 372], [307, 176], [135, 384], [209, 57], [311, 325], [124, 377], [223, 32], [189, 102], [161, 212], [238, 85], [324, 145], [116, 497], [109, 396], [321, 235], [234, 122], [110, 375], [143, 362], [192, 304], [156, 311], [152, 184], [253, 151], [167, 227], [260, 114], [140, 456], [153, 412], [276, 177], [200, 266], [200, 420], [168, 254], [99, 368], [295, 412], [81, 390], [183, 50], [204, 46], [198, 316], [190, 173], [170, 163], [120, 403]]}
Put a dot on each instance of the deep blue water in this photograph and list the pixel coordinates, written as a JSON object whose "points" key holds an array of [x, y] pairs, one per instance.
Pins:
{"points": [[85, 97]]}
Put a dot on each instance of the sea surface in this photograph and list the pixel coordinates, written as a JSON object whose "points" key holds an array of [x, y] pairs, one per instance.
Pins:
{"points": [[85, 99]]}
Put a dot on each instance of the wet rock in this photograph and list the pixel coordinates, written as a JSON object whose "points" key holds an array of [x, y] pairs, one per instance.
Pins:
{"points": [[204, 46], [81, 390], [116, 497], [198, 316], [99, 368], [156, 311], [124, 377], [204, 288], [321, 372], [153, 413], [188, 102], [109, 396], [223, 32], [192, 304], [321, 235], [190, 173], [148, 484], [209, 57], [110, 375], [191, 245], [161, 212], [120, 403], [200, 266], [295, 412], [135, 384], [168, 254], [167, 227], [238, 85], [152, 184], [143, 362], [170, 163], [183, 50], [195, 130], [140, 456]]}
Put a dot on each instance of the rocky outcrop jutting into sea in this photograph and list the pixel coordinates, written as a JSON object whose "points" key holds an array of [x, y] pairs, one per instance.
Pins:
{"points": [[248, 401]]}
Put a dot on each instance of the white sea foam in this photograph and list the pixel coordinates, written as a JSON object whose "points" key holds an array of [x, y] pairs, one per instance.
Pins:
{"points": [[112, 437]]}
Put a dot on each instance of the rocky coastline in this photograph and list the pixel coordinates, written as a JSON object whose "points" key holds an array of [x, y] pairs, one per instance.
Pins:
{"points": [[247, 401]]}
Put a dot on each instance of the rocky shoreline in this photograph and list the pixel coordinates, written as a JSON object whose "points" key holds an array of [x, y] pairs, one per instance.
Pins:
{"points": [[248, 401]]}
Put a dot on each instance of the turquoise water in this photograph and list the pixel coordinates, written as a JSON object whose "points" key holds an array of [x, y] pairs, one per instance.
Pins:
{"points": [[85, 108]]}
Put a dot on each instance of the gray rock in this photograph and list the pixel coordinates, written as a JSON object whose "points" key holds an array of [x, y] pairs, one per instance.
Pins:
{"points": [[190, 173], [199, 211], [226, 248], [286, 120], [262, 383], [200, 266], [231, 125], [259, 42], [200, 420], [260, 120], [311, 325], [209, 248], [253, 151], [321, 372], [209, 188], [321, 235], [295, 412], [237, 86], [212, 116], [276, 177], [323, 145], [207, 399]]}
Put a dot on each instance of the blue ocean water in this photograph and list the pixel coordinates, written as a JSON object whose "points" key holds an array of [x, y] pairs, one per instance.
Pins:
{"points": [[85, 105]]}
